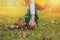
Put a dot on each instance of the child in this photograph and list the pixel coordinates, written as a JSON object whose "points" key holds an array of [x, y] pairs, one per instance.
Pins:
{"points": [[31, 17]]}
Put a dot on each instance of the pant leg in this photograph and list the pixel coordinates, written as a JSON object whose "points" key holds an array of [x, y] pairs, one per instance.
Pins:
{"points": [[27, 16], [36, 16]]}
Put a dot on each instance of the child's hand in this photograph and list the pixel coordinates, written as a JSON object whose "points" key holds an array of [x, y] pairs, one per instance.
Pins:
{"points": [[32, 22]]}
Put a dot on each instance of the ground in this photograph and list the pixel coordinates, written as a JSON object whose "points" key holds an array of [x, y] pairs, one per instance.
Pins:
{"points": [[48, 26]]}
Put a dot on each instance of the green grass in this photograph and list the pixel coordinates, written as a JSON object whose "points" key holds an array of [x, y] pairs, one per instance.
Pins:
{"points": [[48, 26]]}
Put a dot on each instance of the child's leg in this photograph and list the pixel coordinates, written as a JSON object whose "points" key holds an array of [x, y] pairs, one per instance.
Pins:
{"points": [[36, 16], [28, 16]]}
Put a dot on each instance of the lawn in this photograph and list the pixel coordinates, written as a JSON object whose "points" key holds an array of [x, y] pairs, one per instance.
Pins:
{"points": [[48, 23], [48, 26]]}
